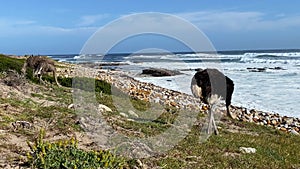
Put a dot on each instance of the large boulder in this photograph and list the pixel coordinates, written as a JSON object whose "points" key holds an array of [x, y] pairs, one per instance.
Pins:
{"points": [[156, 72]]}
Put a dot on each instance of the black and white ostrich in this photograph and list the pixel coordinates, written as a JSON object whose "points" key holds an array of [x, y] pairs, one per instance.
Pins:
{"points": [[210, 85]]}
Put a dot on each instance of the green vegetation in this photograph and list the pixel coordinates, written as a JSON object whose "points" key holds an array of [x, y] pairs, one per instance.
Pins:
{"points": [[8, 63], [84, 83], [66, 154], [275, 149], [140, 104], [62, 119]]}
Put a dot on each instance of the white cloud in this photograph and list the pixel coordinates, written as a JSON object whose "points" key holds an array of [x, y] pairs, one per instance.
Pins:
{"points": [[61, 30], [13, 28], [205, 20], [147, 23], [4, 22], [91, 19], [240, 21]]}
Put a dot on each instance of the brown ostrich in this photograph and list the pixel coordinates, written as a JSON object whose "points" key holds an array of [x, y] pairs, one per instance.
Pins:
{"points": [[40, 65], [44, 67], [34, 61], [210, 85]]}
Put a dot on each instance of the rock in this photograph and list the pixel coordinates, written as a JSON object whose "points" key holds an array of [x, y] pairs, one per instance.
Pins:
{"points": [[71, 106], [265, 122], [261, 69], [160, 72], [286, 126], [198, 69], [254, 69], [247, 117], [132, 113], [255, 119], [294, 132], [280, 119], [22, 124], [289, 121], [274, 122], [174, 104], [277, 68], [283, 129], [252, 111], [140, 164], [261, 123], [248, 112], [233, 115], [105, 108], [247, 150], [124, 115]]}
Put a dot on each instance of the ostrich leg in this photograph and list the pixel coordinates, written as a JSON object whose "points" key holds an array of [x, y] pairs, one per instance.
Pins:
{"points": [[212, 123], [55, 77], [38, 73]]}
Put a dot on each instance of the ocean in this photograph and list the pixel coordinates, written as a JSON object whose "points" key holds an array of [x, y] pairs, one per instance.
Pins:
{"points": [[267, 80]]}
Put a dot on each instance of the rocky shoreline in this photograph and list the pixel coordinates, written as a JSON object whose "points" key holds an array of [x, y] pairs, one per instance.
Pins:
{"points": [[283, 123], [156, 94]]}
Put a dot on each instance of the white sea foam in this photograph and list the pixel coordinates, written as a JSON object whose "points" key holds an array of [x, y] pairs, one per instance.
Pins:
{"points": [[286, 54], [273, 90], [78, 56]]}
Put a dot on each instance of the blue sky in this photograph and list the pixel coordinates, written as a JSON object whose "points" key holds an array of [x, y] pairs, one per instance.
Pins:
{"points": [[63, 26]]}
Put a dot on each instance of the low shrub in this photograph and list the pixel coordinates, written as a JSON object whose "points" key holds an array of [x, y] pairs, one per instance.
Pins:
{"points": [[12, 64], [8, 63], [66, 154], [85, 83]]}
